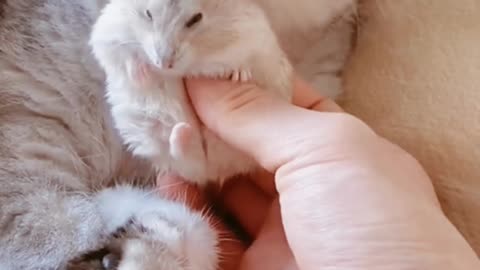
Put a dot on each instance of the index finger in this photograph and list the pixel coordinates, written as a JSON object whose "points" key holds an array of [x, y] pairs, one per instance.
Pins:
{"points": [[306, 97]]}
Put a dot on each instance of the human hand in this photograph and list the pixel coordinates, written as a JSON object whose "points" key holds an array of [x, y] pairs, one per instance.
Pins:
{"points": [[348, 198], [230, 248], [252, 209]]}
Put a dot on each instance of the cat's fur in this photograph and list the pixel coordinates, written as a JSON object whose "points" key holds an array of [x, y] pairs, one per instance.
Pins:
{"points": [[57, 144]]}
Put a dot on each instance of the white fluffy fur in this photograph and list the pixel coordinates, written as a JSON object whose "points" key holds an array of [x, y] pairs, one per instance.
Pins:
{"points": [[317, 37], [149, 102], [58, 146], [175, 237]]}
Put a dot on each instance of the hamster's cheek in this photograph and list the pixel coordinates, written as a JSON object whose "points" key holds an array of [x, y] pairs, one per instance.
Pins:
{"points": [[185, 58], [149, 50]]}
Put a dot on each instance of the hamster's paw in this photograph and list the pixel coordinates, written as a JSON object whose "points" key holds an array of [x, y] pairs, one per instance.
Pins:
{"points": [[186, 148], [241, 75], [180, 139], [139, 71]]}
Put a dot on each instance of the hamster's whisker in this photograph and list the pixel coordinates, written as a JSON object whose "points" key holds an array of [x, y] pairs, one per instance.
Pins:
{"points": [[167, 186], [225, 255], [125, 43], [180, 53], [230, 240]]}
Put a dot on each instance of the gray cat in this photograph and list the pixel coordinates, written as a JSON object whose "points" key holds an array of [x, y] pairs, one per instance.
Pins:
{"points": [[57, 146], [63, 168]]}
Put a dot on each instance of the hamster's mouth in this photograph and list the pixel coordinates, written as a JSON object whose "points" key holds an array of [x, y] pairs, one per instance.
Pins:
{"points": [[170, 72], [239, 75], [217, 73]]}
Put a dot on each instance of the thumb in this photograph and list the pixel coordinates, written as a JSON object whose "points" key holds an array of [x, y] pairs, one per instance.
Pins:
{"points": [[251, 119]]}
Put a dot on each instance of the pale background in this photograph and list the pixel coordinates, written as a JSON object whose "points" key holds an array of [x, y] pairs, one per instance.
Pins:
{"points": [[415, 78]]}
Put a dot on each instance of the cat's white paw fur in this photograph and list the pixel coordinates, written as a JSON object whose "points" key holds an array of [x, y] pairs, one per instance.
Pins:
{"points": [[159, 234]]}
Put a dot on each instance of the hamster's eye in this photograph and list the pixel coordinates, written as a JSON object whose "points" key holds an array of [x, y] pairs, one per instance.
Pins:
{"points": [[148, 14], [194, 20]]}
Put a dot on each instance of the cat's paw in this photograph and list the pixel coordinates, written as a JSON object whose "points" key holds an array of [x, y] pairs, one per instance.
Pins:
{"points": [[111, 261], [241, 75], [150, 233], [151, 241], [89, 261], [107, 258]]}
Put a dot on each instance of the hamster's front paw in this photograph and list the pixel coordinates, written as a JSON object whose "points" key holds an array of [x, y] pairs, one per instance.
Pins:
{"points": [[186, 148], [140, 72], [180, 140]]}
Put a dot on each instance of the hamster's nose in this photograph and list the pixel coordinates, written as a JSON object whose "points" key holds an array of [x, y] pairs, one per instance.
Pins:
{"points": [[169, 63], [166, 62]]}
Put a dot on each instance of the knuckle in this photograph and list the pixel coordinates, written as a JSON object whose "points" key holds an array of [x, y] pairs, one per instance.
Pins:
{"points": [[243, 95]]}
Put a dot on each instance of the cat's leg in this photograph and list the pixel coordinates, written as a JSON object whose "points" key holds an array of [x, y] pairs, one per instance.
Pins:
{"points": [[153, 233], [44, 224], [91, 261], [49, 164]]}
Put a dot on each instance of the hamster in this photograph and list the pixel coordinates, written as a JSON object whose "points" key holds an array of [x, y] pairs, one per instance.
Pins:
{"points": [[147, 47]]}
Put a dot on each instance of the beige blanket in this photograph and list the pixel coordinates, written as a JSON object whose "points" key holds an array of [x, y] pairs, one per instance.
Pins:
{"points": [[415, 78]]}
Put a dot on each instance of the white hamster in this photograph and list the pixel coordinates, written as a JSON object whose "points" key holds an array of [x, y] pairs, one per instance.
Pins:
{"points": [[145, 48]]}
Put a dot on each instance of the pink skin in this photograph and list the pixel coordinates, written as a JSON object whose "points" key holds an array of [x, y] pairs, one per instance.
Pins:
{"points": [[347, 198], [142, 73]]}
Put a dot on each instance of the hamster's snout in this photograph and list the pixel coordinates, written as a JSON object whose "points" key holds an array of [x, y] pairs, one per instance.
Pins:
{"points": [[166, 59], [166, 62], [160, 54]]}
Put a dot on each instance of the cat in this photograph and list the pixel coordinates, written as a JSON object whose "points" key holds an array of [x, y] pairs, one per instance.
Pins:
{"points": [[58, 149]]}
